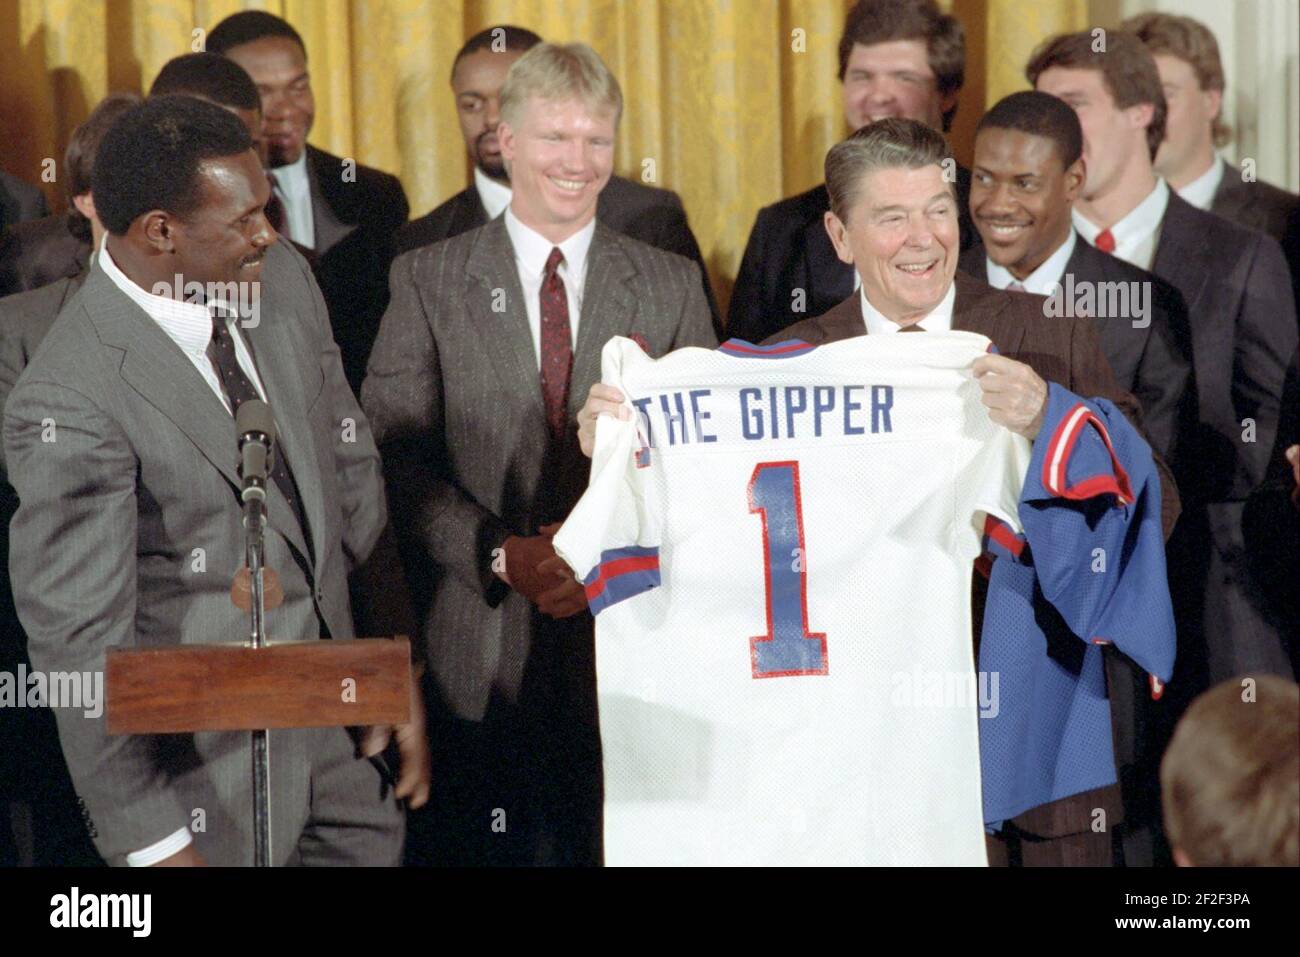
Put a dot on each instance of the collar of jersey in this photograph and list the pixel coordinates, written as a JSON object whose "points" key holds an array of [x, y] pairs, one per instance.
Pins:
{"points": [[777, 350]]}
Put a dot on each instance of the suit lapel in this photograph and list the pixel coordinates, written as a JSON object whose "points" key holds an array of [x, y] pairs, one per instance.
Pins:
{"points": [[160, 373], [276, 353], [155, 367], [332, 220], [978, 307], [493, 280], [608, 309], [469, 213], [1177, 260], [1232, 199], [1075, 265]]}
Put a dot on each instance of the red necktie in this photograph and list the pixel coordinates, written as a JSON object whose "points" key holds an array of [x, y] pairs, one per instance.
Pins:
{"points": [[557, 344], [1105, 241]]}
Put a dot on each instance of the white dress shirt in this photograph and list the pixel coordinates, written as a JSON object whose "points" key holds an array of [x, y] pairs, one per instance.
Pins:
{"points": [[1200, 191], [189, 326], [938, 320], [1135, 234], [293, 186], [532, 249], [1043, 280], [494, 196]]}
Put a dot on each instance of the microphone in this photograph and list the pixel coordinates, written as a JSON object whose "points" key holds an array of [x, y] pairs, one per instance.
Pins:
{"points": [[255, 427]]}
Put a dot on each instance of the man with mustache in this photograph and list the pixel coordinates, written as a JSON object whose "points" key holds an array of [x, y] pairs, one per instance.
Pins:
{"points": [[897, 59], [346, 215], [1028, 171], [51, 257], [120, 443], [645, 213]]}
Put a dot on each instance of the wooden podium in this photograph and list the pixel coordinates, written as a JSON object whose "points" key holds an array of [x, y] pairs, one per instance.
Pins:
{"points": [[257, 686], [300, 684]]}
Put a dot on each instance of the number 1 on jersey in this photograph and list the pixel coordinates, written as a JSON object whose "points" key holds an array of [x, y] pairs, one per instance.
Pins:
{"points": [[788, 648]]}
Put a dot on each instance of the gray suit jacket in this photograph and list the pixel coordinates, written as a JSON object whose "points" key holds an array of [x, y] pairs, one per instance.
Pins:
{"points": [[128, 532], [452, 392], [25, 318]]}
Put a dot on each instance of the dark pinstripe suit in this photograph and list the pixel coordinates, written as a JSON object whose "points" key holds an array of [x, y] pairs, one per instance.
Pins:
{"points": [[453, 394]]}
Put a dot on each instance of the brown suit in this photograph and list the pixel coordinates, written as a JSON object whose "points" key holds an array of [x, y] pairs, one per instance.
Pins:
{"points": [[1065, 351]]}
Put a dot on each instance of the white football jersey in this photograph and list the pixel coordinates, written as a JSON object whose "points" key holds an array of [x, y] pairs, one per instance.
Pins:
{"points": [[778, 548]]}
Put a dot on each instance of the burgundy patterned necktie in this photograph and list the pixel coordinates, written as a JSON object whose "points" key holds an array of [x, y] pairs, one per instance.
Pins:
{"points": [[557, 344]]}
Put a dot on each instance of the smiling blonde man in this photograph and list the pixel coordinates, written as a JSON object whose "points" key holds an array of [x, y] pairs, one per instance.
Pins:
{"points": [[483, 359]]}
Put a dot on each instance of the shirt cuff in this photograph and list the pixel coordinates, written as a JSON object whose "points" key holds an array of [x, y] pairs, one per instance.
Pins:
{"points": [[151, 855]]}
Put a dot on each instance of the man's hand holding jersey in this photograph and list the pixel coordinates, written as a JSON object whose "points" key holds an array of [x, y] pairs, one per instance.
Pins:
{"points": [[1014, 394], [536, 572]]}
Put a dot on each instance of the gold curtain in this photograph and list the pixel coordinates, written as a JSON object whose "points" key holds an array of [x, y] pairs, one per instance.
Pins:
{"points": [[732, 103]]}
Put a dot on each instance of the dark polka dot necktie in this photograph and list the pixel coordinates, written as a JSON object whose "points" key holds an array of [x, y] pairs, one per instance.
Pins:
{"points": [[557, 344], [238, 390]]}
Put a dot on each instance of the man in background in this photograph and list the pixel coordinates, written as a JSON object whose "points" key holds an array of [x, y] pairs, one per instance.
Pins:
{"points": [[491, 341], [653, 216], [905, 59], [1187, 57], [1027, 173], [345, 213], [1238, 294]]}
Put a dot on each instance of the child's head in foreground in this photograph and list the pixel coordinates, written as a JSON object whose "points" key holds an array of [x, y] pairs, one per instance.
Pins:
{"points": [[1230, 779]]}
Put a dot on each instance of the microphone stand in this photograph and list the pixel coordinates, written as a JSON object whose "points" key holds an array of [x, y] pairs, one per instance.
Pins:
{"points": [[254, 521]]}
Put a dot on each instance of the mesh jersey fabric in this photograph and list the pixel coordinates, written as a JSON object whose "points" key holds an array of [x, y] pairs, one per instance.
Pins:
{"points": [[778, 548]]}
